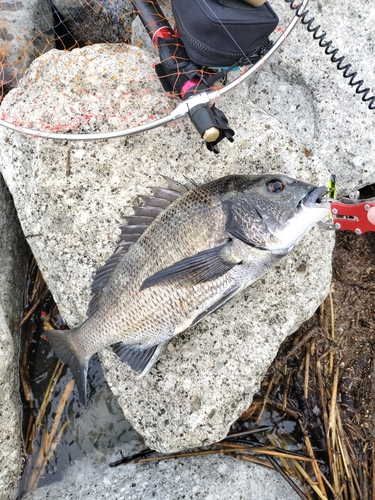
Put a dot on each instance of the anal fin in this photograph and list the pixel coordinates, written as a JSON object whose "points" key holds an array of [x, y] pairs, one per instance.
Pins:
{"points": [[137, 357]]}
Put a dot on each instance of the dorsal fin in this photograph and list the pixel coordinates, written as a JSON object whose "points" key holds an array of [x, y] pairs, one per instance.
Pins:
{"points": [[175, 185], [147, 211], [167, 194], [143, 217], [151, 201], [190, 184]]}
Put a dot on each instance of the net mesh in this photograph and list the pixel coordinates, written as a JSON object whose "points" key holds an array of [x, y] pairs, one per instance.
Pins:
{"points": [[30, 28], [65, 89], [47, 32]]}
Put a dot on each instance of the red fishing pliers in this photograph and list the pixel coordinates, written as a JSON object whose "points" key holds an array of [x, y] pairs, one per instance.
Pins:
{"points": [[353, 215], [350, 213]]}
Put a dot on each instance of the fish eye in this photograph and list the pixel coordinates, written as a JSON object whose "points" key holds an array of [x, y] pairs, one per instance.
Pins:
{"points": [[275, 186]]}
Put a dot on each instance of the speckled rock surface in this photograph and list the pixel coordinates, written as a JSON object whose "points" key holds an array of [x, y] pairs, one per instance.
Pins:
{"points": [[208, 478], [209, 374], [24, 27], [303, 89], [12, 265]]}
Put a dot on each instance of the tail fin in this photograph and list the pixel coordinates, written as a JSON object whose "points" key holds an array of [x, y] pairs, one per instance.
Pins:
{"points": [[62, 344]]}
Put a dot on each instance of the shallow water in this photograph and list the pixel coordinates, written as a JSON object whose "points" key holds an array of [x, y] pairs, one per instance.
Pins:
{"points": [[99, 427], [98, 430]]}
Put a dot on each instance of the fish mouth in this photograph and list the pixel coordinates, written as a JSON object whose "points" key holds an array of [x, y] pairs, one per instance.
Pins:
{"points": [[316, 197]]}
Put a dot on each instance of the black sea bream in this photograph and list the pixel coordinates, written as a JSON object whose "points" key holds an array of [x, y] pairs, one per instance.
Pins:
{"points": [[183, 254]]}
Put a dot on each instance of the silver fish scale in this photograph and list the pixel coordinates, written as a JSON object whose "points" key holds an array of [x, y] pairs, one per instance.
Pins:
{"points": [[193, 223]]}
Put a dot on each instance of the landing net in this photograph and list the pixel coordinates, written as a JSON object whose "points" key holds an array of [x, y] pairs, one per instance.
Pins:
{"points": [[79, 66]]}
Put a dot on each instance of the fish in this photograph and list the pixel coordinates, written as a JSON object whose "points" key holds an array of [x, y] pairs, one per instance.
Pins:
{"points": [[184, 253]]}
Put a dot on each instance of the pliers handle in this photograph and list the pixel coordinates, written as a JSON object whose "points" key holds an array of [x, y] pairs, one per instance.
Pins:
{"points": [[358, 217]]}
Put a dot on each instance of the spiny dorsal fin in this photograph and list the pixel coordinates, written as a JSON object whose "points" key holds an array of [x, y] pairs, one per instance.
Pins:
{"points": [[166, 194], [175, 185], [143, 217], [190, 184], [151, 201], [147, 211]]}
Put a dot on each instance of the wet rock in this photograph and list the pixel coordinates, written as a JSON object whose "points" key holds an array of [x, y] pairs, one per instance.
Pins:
{"points": [[26, 32], [13, 265], [72, 197], [140, 37], [211, 478]]}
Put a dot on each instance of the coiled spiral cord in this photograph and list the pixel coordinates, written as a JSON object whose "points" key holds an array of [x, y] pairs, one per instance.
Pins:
{"points": [[332, 52]]}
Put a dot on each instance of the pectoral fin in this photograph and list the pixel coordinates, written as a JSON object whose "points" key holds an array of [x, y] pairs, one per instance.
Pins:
{"points": [[199, 268], [223, 300]]}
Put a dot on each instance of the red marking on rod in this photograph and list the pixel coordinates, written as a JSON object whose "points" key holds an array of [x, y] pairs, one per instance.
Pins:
{"points": [[163, 32]]}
